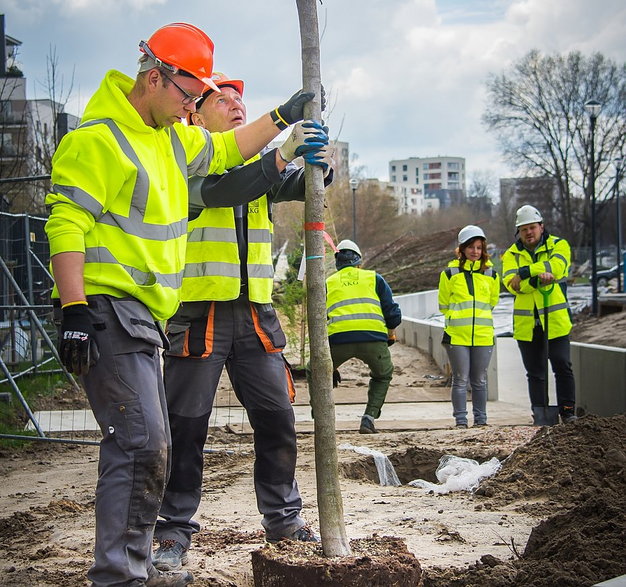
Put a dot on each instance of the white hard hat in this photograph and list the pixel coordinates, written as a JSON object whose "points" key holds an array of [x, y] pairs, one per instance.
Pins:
{"points": [[348, 245], [469, 232], [527, 215]]}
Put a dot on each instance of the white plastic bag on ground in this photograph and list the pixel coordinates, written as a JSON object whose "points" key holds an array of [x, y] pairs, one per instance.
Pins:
{"points": [[459, 474], [386, 473]]}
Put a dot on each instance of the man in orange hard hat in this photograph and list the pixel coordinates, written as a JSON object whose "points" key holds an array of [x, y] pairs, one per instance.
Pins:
{"points": [[117, 232], [227, 320]]}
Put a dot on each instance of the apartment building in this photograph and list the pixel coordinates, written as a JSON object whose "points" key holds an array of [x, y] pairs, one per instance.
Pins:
{"points": [[30, 130], [422, 184]]}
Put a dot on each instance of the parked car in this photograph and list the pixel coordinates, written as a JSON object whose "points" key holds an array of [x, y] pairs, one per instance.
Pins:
{"points": [[603, 277]]}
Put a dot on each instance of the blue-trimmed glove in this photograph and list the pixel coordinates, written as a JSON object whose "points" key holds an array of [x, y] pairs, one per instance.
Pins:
{"points": [[77, 348], [306, 138]]}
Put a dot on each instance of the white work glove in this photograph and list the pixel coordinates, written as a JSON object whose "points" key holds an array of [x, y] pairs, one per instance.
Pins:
{"points": [[306, 138]]}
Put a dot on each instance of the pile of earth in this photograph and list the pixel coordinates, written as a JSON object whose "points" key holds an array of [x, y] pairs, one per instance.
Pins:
{"points": [[575, 476], [411, 263]]}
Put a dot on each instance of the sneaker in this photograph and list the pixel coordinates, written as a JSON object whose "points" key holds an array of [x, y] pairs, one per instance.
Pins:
{"points": [[170, 556], [158, 578], [367, 426], [461, 426], [480, 424], [303, 534]]}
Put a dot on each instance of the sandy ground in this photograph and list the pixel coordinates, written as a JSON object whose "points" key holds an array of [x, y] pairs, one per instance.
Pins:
{"points": [[563, 487]]}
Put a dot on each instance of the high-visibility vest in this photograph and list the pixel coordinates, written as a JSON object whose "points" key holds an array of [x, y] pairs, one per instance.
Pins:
{"points": [[352, 302], [466, 298], [212, 265], [552, 256], [120, 196]]}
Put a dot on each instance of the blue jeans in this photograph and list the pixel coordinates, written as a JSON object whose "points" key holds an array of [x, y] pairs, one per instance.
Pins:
{"points": [[469, 365]]}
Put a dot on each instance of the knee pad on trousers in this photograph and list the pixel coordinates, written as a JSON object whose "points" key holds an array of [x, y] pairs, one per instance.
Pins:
{"points": [[149, 476], [188, 438], [274, 445]]}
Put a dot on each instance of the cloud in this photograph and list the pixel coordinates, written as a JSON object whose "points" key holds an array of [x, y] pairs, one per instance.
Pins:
{"points": [[404, 77]]}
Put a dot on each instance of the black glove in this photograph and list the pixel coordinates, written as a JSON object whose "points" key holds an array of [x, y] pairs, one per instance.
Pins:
{"points": [[293, 109], [77, 347], [336, 378]]}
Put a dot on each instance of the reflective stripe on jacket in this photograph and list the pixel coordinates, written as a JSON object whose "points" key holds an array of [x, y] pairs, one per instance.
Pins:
{"points": [[213, 266], [466, 298], [120, 196], [553, 256], [352, 302]]}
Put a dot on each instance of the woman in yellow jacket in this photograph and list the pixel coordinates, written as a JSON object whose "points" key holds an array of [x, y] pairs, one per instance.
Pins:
{"points": [[469, 289]]}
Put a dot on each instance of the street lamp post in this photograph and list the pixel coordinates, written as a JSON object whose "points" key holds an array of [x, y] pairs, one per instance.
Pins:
{"points": [[354, 183], [618, 171], [593, 108]]}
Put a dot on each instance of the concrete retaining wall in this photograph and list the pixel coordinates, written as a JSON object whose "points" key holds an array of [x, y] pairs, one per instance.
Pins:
{"points": [[600, 371]]}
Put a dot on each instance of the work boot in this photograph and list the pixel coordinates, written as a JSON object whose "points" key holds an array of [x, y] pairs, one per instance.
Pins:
{"points": [[461, 426], [170, 556], [367, 425], [303, 534], [568, 415], [158, 578]]}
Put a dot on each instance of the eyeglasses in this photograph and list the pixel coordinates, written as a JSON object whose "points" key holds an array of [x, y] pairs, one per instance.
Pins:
{"points": [[189, 98]]}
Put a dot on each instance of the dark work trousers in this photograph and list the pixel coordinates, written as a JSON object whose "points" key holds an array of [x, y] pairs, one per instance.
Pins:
{"points": [[376, 356], [247, 339], [125, 391], [534, 357]]}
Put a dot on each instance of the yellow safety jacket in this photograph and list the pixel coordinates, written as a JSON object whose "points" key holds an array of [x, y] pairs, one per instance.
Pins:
{"points": [[352, 302], [466, 298], [120, 196], [213, 266], [553, 256]]}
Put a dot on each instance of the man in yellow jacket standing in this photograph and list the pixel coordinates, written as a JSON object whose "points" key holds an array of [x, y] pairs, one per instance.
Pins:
{"points": [[538, 259], [117, 232]]}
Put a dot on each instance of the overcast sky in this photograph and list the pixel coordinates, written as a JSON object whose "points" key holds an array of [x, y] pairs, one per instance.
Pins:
{"points": [[405, 77]]}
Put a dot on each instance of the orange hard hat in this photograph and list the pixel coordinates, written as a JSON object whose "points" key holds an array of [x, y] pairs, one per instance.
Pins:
{"points": [[221, 79], [181, 46]]}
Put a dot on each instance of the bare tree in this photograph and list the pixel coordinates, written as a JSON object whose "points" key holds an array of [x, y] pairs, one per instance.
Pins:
{"points": [[30, 131], [536, 110]]}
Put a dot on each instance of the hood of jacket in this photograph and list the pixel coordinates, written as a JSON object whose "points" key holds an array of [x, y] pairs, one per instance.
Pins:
{"points": [[111, 101]]}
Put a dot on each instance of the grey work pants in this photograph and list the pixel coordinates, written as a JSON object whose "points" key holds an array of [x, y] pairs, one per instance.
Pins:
{"points": [[125, 391], [469, 365], [205, 337]]}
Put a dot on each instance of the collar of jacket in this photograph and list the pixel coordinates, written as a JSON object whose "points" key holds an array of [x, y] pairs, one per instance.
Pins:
{"points": [[469, 265]]}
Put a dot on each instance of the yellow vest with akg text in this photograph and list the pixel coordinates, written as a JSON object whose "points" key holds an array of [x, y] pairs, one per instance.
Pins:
{"points": [[352, 302], [212, 264]]}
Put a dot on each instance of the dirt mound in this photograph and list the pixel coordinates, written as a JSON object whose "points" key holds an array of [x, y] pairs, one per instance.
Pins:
{"points": [[609, 330], [411, 263], [566, 464], [578, 471]]}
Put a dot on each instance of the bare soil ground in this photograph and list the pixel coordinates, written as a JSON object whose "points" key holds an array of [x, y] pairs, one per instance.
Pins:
{"points": [[555, 514]]}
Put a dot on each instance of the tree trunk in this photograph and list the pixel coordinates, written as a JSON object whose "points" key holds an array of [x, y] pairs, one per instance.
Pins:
{"points": [[329, 501]]}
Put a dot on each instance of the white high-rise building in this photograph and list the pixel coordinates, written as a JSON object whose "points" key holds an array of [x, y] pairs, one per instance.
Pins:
{"points": [[421, 184]]}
